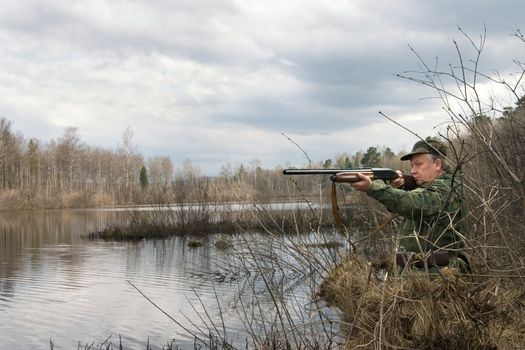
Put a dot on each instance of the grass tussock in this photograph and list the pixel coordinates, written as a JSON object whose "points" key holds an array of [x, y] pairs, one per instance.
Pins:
{"points": [[223, 243], [422, 311], [119, 233], [195, 243]]}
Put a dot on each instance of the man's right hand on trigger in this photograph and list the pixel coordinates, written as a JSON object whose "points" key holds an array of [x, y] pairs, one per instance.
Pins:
{"points": [[399, 182]]}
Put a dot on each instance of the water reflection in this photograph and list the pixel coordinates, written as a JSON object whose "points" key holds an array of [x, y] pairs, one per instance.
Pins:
{"points": [[54, 284]]}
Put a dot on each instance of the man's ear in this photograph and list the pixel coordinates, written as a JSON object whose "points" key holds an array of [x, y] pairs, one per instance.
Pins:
{"points": [[438, 163]]}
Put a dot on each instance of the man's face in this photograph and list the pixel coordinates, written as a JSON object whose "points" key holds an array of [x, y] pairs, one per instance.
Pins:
{"points": [[424, 169]]}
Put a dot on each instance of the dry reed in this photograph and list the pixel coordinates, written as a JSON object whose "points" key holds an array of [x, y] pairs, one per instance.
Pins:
{"points": [[417, 310]]}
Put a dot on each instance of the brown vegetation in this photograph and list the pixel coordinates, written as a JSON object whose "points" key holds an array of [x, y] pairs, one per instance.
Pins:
{"points": [[421, 311]]}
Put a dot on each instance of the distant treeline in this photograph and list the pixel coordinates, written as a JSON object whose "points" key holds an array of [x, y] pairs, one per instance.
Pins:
{"points": [[68, 173]]}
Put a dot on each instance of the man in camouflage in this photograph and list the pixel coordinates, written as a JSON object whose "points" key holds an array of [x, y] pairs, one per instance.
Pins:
{"points": [[432, 211]]}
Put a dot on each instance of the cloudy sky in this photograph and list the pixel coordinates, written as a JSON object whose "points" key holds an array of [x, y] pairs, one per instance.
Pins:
{"points": [[219, 81]]}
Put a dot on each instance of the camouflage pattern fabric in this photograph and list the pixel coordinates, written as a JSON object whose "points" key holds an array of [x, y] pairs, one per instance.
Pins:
{"points": [[431, 213]]}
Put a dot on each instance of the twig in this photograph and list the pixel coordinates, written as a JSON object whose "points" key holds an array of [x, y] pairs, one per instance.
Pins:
{"points": [[304, 152], [167, 315]]}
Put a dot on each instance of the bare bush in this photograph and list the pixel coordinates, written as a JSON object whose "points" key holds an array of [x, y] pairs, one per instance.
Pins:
{"points": [[486, 139]]}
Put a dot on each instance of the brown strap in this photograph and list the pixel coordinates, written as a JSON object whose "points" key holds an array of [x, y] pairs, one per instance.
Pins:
{"points": [[335, 208]]}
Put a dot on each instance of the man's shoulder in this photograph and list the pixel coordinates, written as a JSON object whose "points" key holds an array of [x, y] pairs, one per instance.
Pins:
{"points": [[442, 182]]}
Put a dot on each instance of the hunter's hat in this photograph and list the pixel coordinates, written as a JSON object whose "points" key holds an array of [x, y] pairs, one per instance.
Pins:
{"points": [[430, 145]]}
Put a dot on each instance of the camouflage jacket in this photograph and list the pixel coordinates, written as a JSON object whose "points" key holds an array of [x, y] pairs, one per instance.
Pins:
{"points": [[432, 213]]}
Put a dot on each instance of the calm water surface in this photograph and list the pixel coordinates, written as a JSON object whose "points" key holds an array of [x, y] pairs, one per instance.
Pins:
{"points": [[56, 285]]}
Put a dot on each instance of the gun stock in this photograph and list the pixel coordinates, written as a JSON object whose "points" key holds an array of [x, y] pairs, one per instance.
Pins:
{"points": [[350, 177]]}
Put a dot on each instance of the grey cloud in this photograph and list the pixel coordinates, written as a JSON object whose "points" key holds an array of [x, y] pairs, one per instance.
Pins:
{"points": [[284, 117], [180, 28]]}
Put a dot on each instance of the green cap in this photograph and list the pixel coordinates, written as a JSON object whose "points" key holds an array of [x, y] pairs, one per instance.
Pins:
{"points": [[430, 145]]}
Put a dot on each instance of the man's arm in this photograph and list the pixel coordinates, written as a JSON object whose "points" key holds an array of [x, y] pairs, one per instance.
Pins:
{"points": [[424, 201], [421, 202]]}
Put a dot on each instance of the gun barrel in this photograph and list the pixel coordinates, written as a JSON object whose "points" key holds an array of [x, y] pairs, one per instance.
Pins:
{"points": [[324, 171]]}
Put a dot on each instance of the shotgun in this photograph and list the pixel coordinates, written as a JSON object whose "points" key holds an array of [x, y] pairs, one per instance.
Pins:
{"points": [[350, 175]]}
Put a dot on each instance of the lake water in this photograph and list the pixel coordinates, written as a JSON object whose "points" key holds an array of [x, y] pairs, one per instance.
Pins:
{"points": [[57, 286]]}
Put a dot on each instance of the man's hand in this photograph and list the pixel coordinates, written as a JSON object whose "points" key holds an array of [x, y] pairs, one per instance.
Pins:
{"points": [[399, 182], [363, 184]]}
